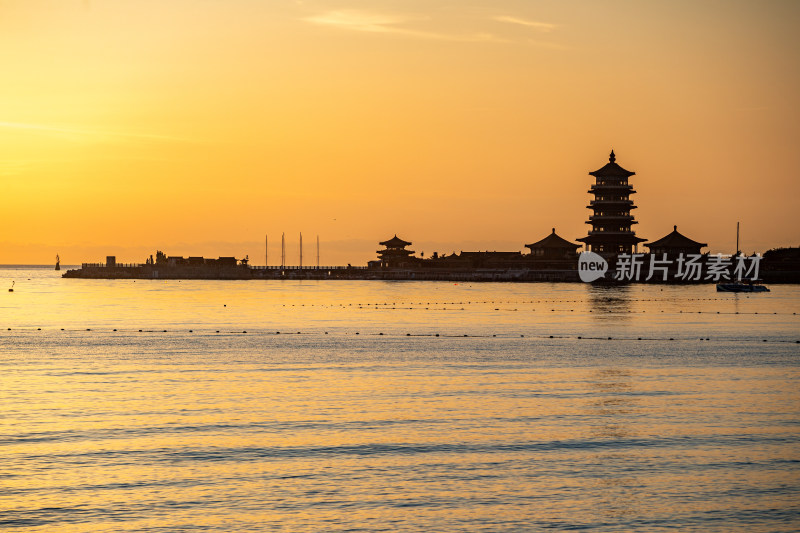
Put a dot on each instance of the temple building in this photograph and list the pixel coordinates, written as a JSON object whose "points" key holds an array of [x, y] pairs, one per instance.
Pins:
{"points": [[553, 247], [611, 221], [675, 244], [395, 255]]}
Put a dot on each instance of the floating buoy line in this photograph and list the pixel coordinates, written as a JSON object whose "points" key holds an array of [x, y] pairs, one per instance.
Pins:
{"points": [[506, 336], [539, 301], [459, 306]]}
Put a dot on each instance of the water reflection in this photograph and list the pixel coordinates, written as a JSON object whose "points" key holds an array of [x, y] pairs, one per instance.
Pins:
{"points": [[609, 299], [612, 406], [612, 403]]}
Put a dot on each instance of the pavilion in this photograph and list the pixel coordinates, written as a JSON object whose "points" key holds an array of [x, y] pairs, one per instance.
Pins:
{"points": [[674, 244], [395, 255], [553, 247]]}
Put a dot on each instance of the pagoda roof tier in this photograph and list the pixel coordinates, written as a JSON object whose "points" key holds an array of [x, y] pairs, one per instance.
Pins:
{"points": [[611, 237], [617, 222], [612, 169], [608, 208], [610, 217], [553, 241], [394, 252], [395, 242], [619, 189], [676, 240], [612, 232], [615, 186], [610, 202]]}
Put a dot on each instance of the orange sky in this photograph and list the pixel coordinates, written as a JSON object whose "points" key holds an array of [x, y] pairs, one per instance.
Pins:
{"points": [[197, 127]]}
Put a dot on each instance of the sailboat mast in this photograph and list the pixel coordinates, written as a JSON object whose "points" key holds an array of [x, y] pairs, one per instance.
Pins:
{"points": [[737, 238]]}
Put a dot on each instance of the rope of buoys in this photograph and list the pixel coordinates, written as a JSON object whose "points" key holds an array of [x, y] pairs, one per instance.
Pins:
{"points": [[466, 335]]}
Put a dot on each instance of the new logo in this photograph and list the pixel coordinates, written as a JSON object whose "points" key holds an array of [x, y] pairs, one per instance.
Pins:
{"points": [[591, 266]]}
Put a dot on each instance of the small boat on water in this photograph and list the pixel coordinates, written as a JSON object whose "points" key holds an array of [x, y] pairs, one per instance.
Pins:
{"points": [[738, 286]]}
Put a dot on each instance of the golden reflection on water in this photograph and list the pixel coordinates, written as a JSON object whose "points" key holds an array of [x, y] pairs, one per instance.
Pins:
{"points": [[122, 431], [302, 446], [610, 299]]}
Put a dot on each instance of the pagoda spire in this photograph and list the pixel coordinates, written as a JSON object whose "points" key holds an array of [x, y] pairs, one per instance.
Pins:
{"points": [[612, 158]]}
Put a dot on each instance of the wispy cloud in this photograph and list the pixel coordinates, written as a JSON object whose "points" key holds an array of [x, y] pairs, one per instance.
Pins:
{"points": [[541, 26], [390, 24], [359, 21], [79, 134]]}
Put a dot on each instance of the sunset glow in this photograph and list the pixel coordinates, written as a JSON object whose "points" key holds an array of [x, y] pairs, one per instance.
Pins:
{"points": [[198, 128]]}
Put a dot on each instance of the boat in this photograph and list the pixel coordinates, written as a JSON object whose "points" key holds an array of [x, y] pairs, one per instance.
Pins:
{"points": [[738, 286]]}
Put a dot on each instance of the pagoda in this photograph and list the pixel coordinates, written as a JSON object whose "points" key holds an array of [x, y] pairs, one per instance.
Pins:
{"points": [[394, 254], [611, 232]]}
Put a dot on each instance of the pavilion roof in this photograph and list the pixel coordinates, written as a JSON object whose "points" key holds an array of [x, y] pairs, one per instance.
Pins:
{"points": [[612, 169], [553, 241], [675, 240], [394, 242]]}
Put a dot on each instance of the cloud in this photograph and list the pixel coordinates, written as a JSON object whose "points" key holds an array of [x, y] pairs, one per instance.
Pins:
{"points": [[359, 21], [541, 26], [390, 24]]}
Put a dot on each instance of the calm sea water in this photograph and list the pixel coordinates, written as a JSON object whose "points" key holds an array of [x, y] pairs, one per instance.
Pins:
{"points": [[395, 406]]}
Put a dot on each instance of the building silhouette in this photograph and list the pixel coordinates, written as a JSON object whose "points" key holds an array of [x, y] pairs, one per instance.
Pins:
{"points": [[551, 258], [553, 247], [611, 218], [674, 244], [394, 254]]}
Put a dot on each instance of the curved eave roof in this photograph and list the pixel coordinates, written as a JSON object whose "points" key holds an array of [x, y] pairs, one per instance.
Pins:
{"points": [[394, 251], [552, 241], [612, 238], [611, 170], [394, 242], [675, 240]]}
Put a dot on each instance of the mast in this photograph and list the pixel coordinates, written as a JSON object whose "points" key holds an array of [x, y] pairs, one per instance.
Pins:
{"points": [[317, 252], [266, 250], [737, 238], [283, 251], [301, 250]]}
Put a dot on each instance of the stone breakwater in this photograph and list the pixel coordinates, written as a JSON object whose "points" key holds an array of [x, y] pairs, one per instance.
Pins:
{"points": [[240, 272]]}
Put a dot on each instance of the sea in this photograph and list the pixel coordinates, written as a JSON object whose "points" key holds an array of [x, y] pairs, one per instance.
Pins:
{"points": [[288, 405]]}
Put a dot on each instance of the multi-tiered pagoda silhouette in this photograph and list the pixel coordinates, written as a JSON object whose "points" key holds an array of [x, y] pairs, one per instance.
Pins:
{"points": [[611, 232], [395, 255]]}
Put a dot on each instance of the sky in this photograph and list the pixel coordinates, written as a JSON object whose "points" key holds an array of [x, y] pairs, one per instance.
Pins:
{"points": [[205, 127]]}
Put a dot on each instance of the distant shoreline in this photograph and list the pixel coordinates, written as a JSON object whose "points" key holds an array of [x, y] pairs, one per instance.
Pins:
{"points": [[51, 266]]}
